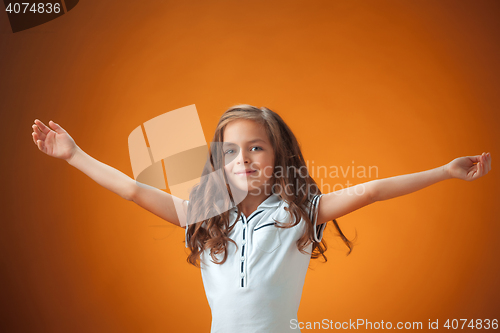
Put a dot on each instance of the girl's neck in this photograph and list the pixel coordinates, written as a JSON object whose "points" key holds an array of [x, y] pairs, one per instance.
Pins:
{"points": [[251, 202]]}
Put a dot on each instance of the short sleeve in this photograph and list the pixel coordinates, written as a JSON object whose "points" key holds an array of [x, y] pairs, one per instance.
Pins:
{"points": [[313, 216]]}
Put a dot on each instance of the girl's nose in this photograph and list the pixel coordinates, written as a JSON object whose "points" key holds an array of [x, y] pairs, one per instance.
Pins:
{"points": [[242, 157]]}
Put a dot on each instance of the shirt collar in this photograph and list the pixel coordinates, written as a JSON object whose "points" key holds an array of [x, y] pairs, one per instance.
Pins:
{"points": [[272, 201]]}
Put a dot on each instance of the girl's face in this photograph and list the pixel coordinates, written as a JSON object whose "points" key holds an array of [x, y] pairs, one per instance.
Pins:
{"points": [[246, 147]]}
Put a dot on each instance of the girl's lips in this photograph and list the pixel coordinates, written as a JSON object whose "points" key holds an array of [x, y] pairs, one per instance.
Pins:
{"points": [[245, 173]]}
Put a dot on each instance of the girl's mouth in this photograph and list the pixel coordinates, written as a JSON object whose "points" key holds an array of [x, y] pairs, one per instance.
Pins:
{"points": [[243, 173]]}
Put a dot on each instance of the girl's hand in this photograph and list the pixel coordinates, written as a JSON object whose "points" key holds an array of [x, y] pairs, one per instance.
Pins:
{"points": [[464, 167], [55, 142]]}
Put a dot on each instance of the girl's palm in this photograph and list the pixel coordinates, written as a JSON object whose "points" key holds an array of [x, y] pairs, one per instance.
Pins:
{"points": [[464, 167], [53, 141]]}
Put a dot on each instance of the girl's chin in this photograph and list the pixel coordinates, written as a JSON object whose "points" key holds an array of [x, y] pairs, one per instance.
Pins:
{"points": [[248, 187], [244, 184]]}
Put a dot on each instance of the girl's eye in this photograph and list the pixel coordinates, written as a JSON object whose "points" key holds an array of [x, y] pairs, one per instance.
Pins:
{"points": [[229, 151]]}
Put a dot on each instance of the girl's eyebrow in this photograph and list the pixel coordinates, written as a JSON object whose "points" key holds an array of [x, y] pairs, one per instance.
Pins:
{"points": [[251, 141], [256, 140]]}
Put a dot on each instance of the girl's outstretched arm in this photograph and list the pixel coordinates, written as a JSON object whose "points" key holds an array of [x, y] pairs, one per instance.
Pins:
{"points": [[336, 204], [56, 142], [460, 168]]}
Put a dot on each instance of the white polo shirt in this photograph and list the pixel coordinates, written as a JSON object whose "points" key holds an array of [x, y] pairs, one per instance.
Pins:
{"points": [[258, 288]]}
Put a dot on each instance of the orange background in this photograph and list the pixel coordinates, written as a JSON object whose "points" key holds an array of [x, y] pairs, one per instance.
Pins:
{"points": [[402, 85]]}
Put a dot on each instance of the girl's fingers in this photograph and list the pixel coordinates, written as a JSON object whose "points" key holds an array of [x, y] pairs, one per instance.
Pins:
{"points": [[44, 129], [37, 135], [39, 123], [57, 128], [37, 131], [35, 138], [475, 158], [39, 144], [480, 169], [486, 164], [483, 165]]}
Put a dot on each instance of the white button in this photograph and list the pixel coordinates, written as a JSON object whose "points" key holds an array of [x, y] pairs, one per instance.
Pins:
{"points": [[242, 274], [244, 226], [244, 241], [242, 258]]}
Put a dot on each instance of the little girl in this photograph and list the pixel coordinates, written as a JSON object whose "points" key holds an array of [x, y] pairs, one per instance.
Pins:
{"points": [[255, 249]]}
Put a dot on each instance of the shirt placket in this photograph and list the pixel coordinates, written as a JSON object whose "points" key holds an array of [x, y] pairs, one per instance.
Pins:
{"points": [[243, 258]]}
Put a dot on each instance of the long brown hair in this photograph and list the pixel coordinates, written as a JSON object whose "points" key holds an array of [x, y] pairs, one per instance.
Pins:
{"points": [[211, 233]]}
